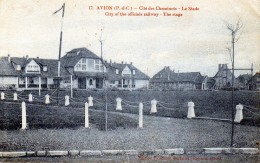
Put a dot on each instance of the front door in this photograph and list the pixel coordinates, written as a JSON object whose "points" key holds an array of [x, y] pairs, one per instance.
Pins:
{"points": [[99, 83], [82, 83]]}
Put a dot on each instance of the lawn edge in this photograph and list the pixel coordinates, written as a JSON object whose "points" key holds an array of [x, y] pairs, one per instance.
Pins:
{"points": [[161, 152]]}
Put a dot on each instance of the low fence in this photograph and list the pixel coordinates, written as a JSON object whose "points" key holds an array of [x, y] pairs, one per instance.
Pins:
{"points": [[118, 104]]}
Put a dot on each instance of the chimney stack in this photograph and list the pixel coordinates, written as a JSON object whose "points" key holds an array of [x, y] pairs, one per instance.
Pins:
{"points": [[122, 62], [219, 66], [9, 58], [27, 57]]}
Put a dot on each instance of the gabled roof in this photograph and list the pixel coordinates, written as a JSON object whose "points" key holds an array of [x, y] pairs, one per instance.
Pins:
{"points": [[257, 74], [67, 64], [52, 67], [77, 54], [19, 61], [187, 77], [6, 68], [120, 66], [167, 75], [244, 77], [223, 70]]}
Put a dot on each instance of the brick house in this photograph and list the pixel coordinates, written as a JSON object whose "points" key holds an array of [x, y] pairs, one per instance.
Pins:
{"points": [[80, 68], [169, 80]]}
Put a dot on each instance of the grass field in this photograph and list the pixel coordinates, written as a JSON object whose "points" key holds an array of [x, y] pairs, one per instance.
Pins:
{"points": [[158, 133], [214, 104], [58, 127]]}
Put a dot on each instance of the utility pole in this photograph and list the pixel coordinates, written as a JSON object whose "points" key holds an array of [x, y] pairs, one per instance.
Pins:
{"points": [[58, 79], [104, 80], [233, 74]]}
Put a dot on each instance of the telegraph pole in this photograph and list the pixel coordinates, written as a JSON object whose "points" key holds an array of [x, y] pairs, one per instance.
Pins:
{"points": [[58, 79], [104, 80], [233, 102]]}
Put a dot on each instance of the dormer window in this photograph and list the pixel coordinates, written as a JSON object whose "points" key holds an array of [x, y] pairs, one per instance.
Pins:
{"points": [[32, 67], [98, 66], [117, 72], [133, 72], [81, 65], [18, 67], [45, 68]]}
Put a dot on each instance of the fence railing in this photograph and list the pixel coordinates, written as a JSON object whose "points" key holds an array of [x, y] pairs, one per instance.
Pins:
{"points": [[119, 104]]}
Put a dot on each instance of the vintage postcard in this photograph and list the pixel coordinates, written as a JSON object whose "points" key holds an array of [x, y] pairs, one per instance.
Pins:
{"points": [[129, 81]]}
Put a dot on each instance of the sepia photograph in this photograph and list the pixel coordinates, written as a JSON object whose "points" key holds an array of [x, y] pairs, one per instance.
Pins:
{"points": [[130, 81]]}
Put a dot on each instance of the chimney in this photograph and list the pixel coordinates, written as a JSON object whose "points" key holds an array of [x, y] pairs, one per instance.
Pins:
{"points": [[9, 58], [131, 63], [27, 57], [37, 57], [225, 66], [122, 62], [219, 66], [110, 62]]}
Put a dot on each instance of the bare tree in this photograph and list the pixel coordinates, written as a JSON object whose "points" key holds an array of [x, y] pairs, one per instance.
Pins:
{"points": [[235, 35]]}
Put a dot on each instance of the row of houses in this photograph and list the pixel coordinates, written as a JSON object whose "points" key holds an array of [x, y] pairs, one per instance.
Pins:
{"points": [[79, 68], [82, 69], [168, 79]]}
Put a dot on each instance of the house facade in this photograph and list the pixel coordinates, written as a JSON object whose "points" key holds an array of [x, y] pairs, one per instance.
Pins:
{"points": [[167, 79], [80, 68], [126, 76], [244, 81], [254, 83], [223, 78]]}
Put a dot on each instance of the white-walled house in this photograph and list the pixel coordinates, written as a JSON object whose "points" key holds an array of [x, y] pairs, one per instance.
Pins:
{"points": [[80, 68], [126, 76]]}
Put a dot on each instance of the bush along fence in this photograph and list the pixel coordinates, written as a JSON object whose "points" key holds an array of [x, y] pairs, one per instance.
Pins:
{"points": [[133, 107]]}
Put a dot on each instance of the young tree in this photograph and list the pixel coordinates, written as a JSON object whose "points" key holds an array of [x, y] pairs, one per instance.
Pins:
{"points": [[235, 35]]}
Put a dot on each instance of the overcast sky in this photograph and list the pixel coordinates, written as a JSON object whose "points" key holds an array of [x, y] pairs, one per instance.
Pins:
{"points": [[196, 41]]}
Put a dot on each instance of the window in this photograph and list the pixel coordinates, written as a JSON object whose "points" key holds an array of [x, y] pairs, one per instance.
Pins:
{"points": [[81, 65], [45, 68], [90, 81], [18, 68], [84, 67], [133, 72], [126, 71], [32, 68], [67, 81], [98, 66], [117, 71]]}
